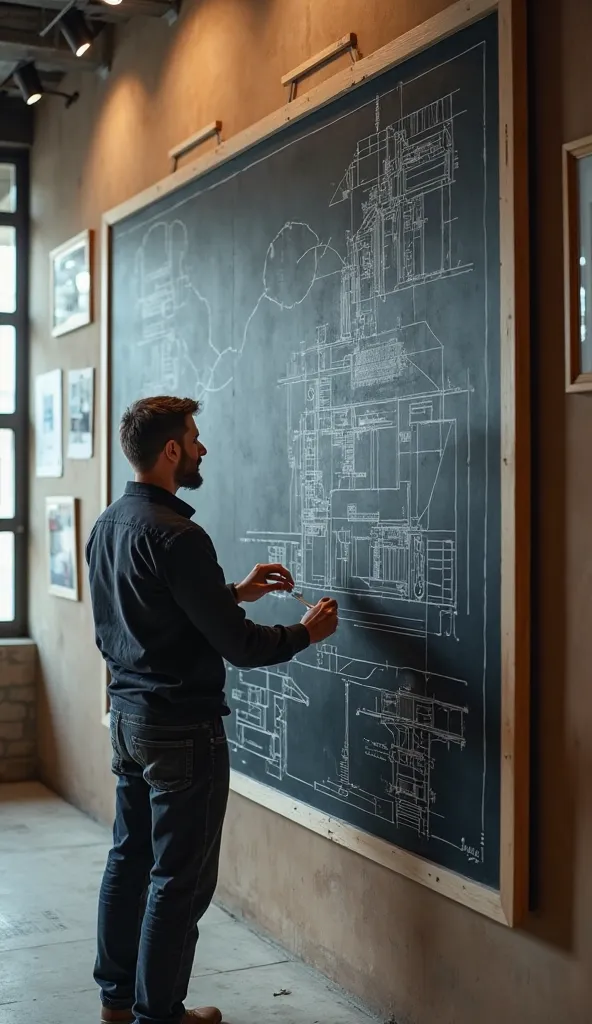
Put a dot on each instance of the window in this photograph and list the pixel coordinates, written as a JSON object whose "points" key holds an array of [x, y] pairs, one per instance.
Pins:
{"points": [[14, 242]]}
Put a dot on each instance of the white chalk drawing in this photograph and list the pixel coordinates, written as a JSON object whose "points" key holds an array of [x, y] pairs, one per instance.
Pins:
{"points": [[374, 426], [261, 697], [413, 722], [399, 180], [405, 174]]}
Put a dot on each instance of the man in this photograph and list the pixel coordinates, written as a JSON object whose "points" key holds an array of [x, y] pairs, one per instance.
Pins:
{"points": [[165, 620]]}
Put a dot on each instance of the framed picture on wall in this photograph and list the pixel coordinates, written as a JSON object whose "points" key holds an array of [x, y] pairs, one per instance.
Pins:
{"points": [[48, 424], [80, 413], [71, 284], [62, 546], [577, 252]]}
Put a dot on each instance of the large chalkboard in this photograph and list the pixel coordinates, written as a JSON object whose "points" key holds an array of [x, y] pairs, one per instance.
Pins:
{"points": [[332, 296]]}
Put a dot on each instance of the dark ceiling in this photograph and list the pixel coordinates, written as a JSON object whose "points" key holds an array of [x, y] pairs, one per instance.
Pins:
{"points": [[25, 38]]}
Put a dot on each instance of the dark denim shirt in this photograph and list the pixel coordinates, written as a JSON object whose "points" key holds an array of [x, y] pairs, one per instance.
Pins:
{"points": [[165, 619]]}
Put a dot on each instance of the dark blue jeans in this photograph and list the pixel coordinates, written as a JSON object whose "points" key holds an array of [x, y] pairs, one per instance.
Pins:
{"points": [[172, 791]]}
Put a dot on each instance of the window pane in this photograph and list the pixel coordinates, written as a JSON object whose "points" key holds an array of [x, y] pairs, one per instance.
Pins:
{"points": [[7, 369], [585, 189], [7, 188], [7, 270], [6, 474], [6, 577]]}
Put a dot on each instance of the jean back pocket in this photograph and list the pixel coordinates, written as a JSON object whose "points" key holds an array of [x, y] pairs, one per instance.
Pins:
{"points": [[167, 765]]}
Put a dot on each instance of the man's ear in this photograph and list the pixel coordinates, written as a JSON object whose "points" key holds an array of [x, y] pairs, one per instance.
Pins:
{"points": [[171, 451]]}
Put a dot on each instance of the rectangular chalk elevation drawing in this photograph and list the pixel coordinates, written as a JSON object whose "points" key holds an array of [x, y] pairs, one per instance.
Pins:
{"points": [[331, 293]]}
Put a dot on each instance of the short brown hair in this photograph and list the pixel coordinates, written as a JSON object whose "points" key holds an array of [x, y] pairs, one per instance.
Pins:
{"points": [[148, 424]]}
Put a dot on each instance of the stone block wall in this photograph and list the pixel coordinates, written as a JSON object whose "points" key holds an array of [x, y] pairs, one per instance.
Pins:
{"points": [[18, 710]]}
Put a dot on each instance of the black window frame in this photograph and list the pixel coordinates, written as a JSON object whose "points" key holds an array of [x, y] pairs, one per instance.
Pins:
{"points": [[18, 421]]}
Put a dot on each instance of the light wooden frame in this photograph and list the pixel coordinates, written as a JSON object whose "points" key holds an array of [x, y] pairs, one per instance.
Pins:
{"points": [[71, 593], [84, 238], [573, 152], [509, 904]]}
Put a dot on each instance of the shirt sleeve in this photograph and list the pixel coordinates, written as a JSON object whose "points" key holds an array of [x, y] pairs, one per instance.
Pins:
{"points": [[197, 583]]}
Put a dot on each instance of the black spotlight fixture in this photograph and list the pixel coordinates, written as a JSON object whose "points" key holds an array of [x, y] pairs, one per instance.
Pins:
{"points": [[76, 31], [26, 78], [29, 83]]}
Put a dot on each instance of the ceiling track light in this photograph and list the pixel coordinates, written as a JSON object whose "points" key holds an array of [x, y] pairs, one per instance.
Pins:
{"points": [[29, 83], [76, 31], [30, 86]]}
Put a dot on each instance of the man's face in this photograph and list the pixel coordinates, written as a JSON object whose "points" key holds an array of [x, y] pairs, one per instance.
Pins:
{"points": [[192, 452]]}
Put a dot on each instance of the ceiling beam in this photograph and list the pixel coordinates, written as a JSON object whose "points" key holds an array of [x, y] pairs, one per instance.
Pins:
{"points": [[126, 10], [21, 46]]}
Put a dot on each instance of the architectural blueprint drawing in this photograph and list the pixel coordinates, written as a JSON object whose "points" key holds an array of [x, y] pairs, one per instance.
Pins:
{"points": [[261, 697], [408, 726], [372, 425], [380, 403]]}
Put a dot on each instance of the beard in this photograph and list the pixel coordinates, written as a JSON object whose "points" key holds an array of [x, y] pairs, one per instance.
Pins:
{"points": [[188, 474]]}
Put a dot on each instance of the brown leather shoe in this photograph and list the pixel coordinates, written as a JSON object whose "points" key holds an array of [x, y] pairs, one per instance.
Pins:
{"points": [[206, 1015]]}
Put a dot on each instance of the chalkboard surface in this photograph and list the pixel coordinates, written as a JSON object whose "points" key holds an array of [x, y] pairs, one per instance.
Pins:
{"points": [[332, 296]]}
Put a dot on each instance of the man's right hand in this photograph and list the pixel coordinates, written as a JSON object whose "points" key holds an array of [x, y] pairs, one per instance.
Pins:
{"points": [[321, 620]]}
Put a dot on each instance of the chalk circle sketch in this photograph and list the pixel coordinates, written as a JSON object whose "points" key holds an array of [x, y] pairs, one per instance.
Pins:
{"points": [[291, 265]]}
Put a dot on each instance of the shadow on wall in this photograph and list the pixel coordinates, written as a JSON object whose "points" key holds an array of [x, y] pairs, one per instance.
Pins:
{"points": [[552, 768]]}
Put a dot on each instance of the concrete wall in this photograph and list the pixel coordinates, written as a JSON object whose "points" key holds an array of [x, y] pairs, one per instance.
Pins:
{"points": [[401, 948]]}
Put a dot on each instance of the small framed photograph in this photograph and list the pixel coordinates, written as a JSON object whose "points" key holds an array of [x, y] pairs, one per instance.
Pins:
{"points": [[71, 284], [48, 424], [577, 253], [61, 516], [80, 413]]}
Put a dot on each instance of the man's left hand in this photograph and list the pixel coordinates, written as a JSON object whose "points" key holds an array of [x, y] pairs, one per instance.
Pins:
{"points": [[263, 580]]}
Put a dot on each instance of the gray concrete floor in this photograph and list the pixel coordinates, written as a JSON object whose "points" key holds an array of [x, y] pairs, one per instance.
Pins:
{"points": [[51, 861]]}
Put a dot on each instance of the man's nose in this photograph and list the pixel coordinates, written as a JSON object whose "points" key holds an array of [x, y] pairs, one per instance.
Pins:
{"points": [[202, 450]]}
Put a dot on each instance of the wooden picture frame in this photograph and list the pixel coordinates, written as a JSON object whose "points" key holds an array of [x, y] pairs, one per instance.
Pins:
{"points": [[577, 257], [61, 521], [509, 903], [71, 284]]}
